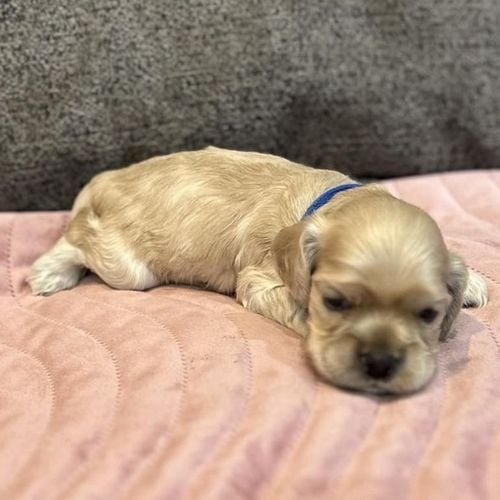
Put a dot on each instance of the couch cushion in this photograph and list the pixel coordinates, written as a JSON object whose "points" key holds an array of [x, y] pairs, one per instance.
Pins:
{"points": [[373, 88], [180, 393]]}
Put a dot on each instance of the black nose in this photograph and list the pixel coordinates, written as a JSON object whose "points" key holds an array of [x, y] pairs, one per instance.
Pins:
{"points": [[380, 365]]}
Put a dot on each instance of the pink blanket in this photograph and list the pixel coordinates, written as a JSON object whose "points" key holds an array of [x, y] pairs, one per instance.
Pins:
{"points": [[178, 393]]}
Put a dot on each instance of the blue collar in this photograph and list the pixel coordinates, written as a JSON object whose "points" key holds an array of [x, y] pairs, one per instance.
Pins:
{"points": [[326, 196]]}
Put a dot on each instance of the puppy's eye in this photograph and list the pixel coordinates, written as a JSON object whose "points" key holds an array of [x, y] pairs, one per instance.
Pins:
{"points": [[337, 303], [428, 314]]}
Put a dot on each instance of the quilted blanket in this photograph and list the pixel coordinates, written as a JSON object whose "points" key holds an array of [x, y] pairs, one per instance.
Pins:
{"points": [[177, 393]]}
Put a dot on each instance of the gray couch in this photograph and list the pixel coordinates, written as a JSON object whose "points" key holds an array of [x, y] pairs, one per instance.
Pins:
{"points": [[375, 88]]}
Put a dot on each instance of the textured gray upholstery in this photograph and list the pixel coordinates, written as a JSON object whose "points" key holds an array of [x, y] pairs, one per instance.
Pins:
{"points": [[375, 88]]}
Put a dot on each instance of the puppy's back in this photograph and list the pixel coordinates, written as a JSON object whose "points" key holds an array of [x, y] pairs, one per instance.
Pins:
{"points": [[211, 212]]}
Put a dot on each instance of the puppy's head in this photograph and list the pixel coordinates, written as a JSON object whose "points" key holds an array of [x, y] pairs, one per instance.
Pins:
{"points": [[380, 287]]}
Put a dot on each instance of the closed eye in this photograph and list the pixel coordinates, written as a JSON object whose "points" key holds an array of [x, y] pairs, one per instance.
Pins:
{"points": [[428, 314], [337, 303]]}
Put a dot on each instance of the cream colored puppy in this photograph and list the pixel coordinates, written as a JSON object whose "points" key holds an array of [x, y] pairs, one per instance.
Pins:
{"points": [[364, 277]]}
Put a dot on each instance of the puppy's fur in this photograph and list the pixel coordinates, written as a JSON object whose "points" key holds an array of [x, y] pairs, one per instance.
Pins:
{"points": [[367, 279]]}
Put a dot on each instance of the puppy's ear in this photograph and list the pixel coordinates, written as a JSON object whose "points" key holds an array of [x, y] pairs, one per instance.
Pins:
{"points": [[294, 250], [456, 283]]}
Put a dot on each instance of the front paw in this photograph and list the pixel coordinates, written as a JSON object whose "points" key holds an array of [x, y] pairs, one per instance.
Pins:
{"points": [[476, 291]]}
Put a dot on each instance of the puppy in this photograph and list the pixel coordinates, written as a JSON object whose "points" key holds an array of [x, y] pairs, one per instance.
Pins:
{"points": [[364, 277]]}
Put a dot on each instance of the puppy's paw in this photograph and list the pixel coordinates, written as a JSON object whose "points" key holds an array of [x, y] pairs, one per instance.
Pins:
{"points": [[476, 291], [47, 276]]}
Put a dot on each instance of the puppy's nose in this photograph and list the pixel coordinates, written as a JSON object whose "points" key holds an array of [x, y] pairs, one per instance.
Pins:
{"points": [[380, 365]]}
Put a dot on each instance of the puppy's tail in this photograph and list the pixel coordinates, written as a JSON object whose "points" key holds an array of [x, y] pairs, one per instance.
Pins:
{"points": [[60, 268]]}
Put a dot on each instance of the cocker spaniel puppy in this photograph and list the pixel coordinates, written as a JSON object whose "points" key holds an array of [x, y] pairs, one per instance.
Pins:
{"points": [[364, 277]]}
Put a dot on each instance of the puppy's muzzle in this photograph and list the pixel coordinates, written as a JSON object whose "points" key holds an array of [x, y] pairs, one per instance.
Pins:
{"points": [[380, 365]]}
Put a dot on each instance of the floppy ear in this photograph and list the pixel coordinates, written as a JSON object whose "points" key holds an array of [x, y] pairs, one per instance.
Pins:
{"points": [[456, 283], [294, 250]]}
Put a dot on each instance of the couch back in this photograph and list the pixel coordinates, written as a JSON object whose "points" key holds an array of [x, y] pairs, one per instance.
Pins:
{"points": [[374, 88]]}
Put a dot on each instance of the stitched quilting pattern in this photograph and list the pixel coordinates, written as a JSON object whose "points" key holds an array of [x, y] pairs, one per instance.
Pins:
{"points": [[179, 393]]}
